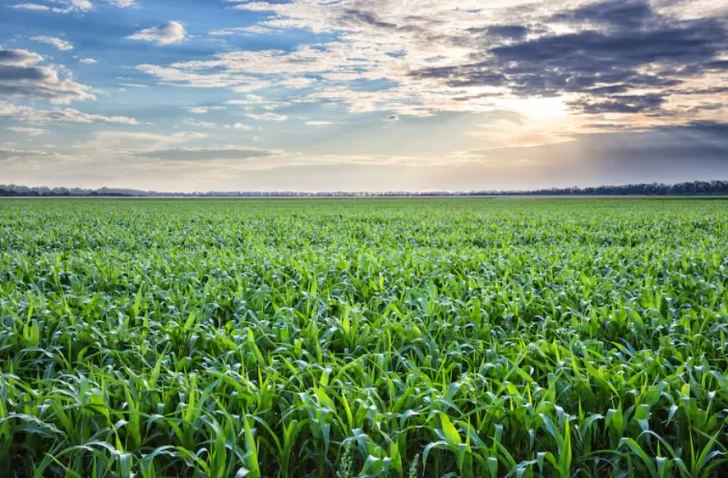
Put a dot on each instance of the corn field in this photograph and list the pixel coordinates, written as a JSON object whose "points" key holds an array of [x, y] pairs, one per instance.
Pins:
{"points": [[363, 338]]}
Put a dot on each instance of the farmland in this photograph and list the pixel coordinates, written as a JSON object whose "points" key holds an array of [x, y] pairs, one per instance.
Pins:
{"points": [[402, 338]]}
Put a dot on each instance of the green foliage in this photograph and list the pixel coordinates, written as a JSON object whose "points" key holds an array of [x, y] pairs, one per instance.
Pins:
{"points": [[346, 463], [310, 338]]}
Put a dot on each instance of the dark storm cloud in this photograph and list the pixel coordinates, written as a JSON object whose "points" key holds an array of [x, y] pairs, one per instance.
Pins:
{"points": [[717, 90], [609, 90], [514, 32], [691, 42], [614, 14], [608, 126], [620, 104], [607, 59], [717, 65]]}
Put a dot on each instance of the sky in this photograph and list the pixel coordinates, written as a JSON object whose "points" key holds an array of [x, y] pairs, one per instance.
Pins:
{"points": [[362, 95]]}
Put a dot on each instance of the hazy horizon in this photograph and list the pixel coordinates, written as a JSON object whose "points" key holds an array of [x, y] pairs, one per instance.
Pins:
{"points": [[375, 193], [354, 95]]}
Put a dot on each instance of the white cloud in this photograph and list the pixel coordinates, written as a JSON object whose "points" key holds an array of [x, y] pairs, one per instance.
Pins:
{"points": [[68, 6], [122, 3], [58, 43], [82, 5], [197, 110], [122, 144], [21, 77], [28, 131], [337, 64], [384, 42], [319, 123], [179, 77], [166, 34], [30, 115], [254, 102], [88, 61], [31, 6], [267, 117], [239, 126], [207, 154], [251, 30], [19, 58], [298, 82], [11, 154], [199, 124]]}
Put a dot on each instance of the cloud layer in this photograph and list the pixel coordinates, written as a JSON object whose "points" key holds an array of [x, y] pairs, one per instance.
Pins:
{"points": [[628, 57], [204, 154]]}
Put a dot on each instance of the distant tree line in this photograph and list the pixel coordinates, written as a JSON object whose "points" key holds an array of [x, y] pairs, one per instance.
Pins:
{"points": [[694, 188]]}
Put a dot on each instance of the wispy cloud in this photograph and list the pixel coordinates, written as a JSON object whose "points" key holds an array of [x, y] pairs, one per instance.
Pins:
{"points": [[32, 115], [239, 126], [205, 154], [122, 3], [9, 154], [66, 6], [197, 110], [267, 117], [28, 131], [199, 124], [58, 43]]}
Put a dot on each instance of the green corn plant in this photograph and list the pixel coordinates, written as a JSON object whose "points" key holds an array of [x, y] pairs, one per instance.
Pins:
{"points": [[400, 338]]}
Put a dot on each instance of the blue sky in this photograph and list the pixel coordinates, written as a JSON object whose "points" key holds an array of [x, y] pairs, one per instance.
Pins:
{"points": [[362, 94]]}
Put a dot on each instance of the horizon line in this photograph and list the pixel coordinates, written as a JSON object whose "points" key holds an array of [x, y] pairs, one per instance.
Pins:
{"points": [[699, 187]]}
